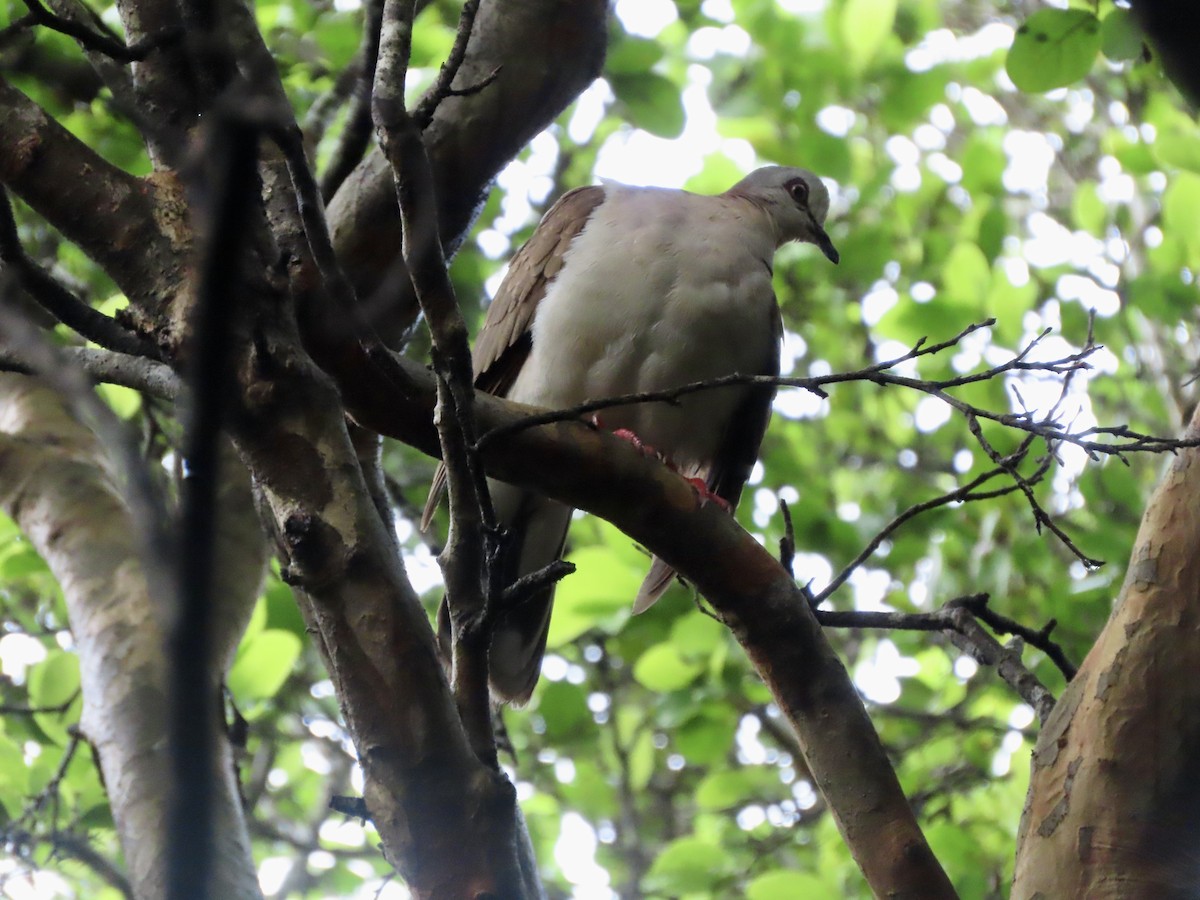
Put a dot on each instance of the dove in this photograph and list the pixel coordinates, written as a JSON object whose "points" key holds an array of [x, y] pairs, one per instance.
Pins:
{"points": [[626, 289]]}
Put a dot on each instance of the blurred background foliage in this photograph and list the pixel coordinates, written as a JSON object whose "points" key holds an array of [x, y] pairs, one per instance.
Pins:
{"points": [[1032, 185]]}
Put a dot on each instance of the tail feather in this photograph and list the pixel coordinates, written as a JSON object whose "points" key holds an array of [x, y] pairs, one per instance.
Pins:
{"points": [[537, 530], [655, 584], [435, 495]]}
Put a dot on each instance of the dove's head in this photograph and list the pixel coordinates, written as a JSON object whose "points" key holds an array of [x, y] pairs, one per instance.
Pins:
{"points": [[796, 201]]}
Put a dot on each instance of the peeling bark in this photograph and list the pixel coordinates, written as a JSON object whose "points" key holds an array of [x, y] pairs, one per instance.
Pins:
{"points": [[55, 485], [1114, 798]]}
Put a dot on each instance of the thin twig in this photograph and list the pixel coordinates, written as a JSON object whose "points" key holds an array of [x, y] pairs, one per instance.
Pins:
{"points": [[57, 300], [963, 494], [442, 89], [99, 43], [473, 543], [356, 134], [957, 618], [58, 709], [1048, 427]]}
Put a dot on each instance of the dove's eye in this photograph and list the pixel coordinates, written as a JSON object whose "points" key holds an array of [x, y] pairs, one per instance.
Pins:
{"points": [[798, 190]]}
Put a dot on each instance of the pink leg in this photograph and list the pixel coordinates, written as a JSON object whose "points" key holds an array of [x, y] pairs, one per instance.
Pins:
{"points": [[706, 495], [645, 449]]}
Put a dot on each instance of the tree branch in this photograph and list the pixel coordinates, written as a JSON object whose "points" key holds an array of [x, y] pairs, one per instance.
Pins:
{"points": [[957, 619], [57, 300], [473, 541], [356, 134], [96, 42]]}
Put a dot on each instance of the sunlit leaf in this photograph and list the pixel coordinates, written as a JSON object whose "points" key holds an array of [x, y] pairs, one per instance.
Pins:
{"points": [[263, 664], [863, 27], [686, 864], [1053, 48]]}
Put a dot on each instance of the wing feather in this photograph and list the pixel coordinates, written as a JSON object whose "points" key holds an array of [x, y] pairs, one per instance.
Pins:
{"points": [[504, 341], [735, 459]]}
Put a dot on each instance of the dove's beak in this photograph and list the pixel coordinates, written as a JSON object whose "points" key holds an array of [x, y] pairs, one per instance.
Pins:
{"points": [[821, 239]]}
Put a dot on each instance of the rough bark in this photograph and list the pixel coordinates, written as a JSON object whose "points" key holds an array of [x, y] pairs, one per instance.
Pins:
{"points": [[427, 792], [1114, 797], [134, 228], [55, 485]]}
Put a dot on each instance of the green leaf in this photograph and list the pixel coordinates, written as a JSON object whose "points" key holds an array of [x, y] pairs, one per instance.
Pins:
{"points": [[687, 864], [697, 636], [705, 739], [641, 761], [1178, 146], [1054, 48], [1121, 36], [564, 708], [725, 789], [599, 594], [966, 275], [651, 101], [125, 402], [52, 682], [1181, 205], [662, 669], [263, 664], [863, 27], [1088, 210], [784, 884], [632, 56]]}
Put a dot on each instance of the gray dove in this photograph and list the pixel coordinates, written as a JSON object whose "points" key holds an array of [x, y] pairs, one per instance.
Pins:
{"points": [[626, 289]]}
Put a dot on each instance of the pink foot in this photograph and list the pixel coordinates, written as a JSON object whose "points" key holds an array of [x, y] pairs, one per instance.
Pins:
{"points": [[706, 494], [641, 446]]}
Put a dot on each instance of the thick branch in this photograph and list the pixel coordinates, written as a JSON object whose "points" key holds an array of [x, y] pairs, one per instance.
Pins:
{"points": [[548, 51], [128, 228], [747, 587]]}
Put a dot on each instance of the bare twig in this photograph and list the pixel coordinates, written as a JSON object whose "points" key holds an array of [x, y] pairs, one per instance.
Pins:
{"points": [[964, 494], [442, 88], [57, 710], [99, 43], [881, 375], [474, 540], [57, 300], [787, 543], [357, 132], [1047, 427], [957, 618]]}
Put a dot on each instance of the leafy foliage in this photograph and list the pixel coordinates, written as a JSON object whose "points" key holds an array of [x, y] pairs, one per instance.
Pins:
{"points": [[650, 758]]}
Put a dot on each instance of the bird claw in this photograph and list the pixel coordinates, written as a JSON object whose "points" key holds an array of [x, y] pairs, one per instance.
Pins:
{"points": [[706, 494], [638, 444], [699, 484]]}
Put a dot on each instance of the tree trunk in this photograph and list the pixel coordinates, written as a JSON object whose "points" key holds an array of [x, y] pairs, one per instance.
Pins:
{"points": [[1112, 807], [55, 483]]}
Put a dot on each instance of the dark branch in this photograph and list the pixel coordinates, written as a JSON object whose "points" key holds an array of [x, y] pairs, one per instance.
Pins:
{"points": [[358, 129], [473, 542], [957, 619], [99, 43], [57, 300], [232, 184], [442, 89]]}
